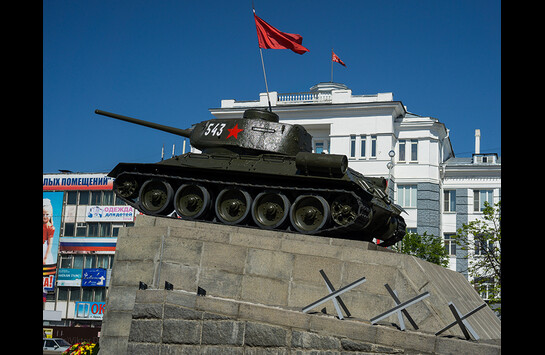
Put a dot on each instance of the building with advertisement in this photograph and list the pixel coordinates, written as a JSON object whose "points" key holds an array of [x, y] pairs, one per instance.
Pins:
{"points": [[84, 216]]}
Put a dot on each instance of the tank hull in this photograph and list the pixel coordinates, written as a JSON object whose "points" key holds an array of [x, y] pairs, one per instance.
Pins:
{"points": [[267, 191]]}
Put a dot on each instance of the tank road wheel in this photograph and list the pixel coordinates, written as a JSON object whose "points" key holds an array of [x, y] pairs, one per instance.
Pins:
{"points": [[270, 210], [192, 201], [156, 197], [126, 186], [344, 209], [233, 205], [309, 213]]}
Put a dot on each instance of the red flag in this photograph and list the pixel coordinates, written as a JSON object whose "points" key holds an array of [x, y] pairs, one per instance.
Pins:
{"points": [[337, 59], [271, 38]]}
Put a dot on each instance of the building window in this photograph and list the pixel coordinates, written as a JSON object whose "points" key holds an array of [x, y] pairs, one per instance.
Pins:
{"points": [[115, 229], [119, 202], [66, 261], [352, 146], [485, 287], [401, 150], [96, 198], [93, 229], [486, 291], [108, 198], [414, 150], [105, 229], [69, 229], [450, 243], [90, 262], [482, 246], [449, 201], [62, 293], [78, 261], [363, 141], [480, 197], [100, 294], [81, 229], [373, 146], [319, 147], [84, 198], [103, 261], [87, 294], [75, 294], [406, 195], [72, 198]]}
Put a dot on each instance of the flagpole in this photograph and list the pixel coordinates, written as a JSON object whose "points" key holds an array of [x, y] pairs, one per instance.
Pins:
{"points": [[331, 64], [265, 77]]}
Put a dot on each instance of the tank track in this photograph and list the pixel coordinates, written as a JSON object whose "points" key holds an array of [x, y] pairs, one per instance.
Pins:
{"points": [[351, 230]]}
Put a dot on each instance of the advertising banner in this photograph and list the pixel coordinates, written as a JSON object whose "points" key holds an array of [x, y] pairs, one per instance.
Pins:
{"points": [[89, 310], [94, 278], [99, 245], [109, 214], [69, 277], [65, 182], [48, 333], [51, 219]]}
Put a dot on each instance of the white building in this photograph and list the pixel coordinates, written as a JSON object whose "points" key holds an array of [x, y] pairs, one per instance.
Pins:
{"points": [[439, 191]]}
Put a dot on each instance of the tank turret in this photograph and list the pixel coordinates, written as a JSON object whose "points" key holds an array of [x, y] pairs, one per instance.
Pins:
{"points": [[258, 132], [257, 172]]}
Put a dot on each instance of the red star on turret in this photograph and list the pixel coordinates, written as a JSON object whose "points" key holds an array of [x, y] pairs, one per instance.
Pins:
{"points": [[234, 131]]}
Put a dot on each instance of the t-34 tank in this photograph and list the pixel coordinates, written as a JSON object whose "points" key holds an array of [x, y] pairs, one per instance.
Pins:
{"points": [[258, 172]]}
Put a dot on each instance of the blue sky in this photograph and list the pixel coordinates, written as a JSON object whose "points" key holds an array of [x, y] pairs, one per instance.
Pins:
{"points": [[170, 61]]}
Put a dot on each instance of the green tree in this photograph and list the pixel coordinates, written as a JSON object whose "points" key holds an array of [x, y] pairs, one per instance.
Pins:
{"points": [[426, 247], [481, 239]]}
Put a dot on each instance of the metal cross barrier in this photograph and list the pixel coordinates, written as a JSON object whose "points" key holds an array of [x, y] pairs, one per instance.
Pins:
{"points": [[337, 301], [333, 294], [462, 322], [400, 307], [401, 312]]}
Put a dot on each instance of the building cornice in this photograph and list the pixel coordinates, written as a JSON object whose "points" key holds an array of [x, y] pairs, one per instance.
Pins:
{"points": [[396, 109]]}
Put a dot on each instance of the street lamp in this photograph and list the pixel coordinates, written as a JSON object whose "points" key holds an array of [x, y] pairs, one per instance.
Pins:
{"points": [[390, 166]]}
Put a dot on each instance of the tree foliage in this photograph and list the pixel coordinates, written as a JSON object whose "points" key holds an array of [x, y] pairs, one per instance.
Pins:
{"points": [[481, 239], [426, 247]]}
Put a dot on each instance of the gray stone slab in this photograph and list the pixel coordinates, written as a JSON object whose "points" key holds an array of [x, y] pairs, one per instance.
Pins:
{"points": [[256, 283]]}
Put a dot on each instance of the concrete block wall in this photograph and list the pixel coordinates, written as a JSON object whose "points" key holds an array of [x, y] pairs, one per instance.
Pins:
{"points": [[180, 322], [237, 265]]}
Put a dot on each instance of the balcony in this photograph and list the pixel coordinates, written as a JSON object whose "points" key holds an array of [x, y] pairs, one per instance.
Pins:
{"points": [[303, 97], [321, 93]]}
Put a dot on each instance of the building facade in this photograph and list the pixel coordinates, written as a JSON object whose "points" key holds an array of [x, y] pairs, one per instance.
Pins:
{"points": [[82, 218], [382, 139]]}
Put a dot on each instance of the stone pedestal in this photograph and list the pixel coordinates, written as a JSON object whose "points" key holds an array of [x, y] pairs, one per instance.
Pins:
{"points": [[258, 281]]}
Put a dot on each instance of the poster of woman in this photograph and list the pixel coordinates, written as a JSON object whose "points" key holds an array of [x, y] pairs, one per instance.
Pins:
{"points": [[51, 220]]}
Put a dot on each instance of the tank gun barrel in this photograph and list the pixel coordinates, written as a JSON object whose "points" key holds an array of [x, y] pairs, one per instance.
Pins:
{"points": [[173, 130]]}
